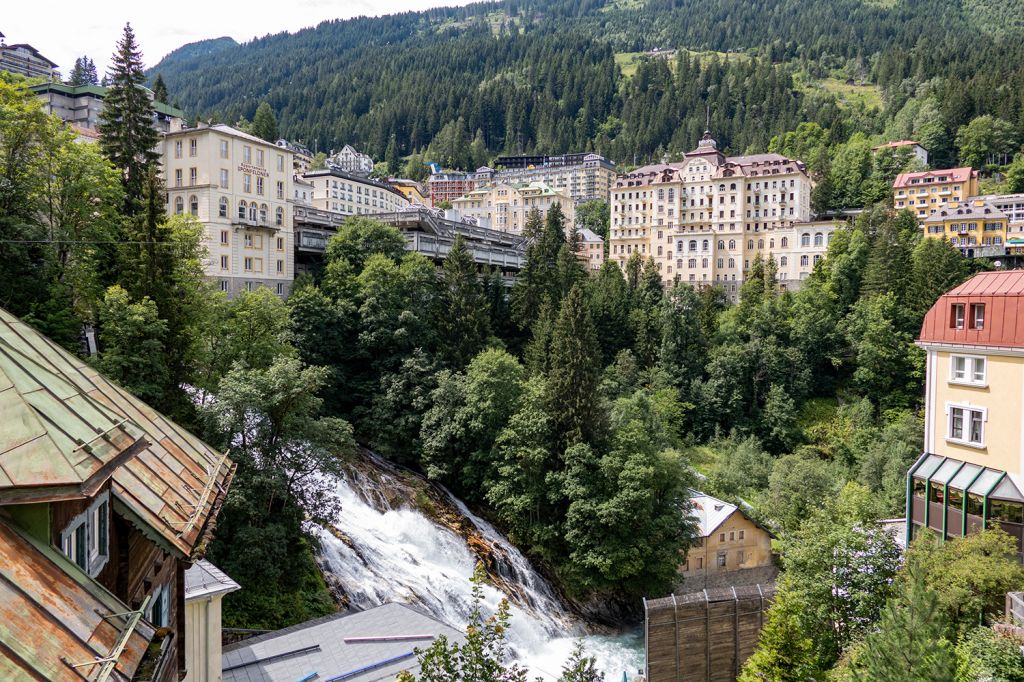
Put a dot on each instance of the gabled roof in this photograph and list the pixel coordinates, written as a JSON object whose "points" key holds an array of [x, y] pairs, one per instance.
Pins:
{"points": [[172, 486], [951, 175], [710, 512], [203, 579], [56, 440], [50, 621]]}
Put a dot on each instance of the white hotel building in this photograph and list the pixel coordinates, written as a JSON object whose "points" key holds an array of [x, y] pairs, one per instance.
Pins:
{"points": [[240, 188]]}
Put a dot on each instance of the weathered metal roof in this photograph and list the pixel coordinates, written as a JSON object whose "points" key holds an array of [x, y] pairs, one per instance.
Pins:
{"points": [[203, 579], [49, 621], [172, 485]]}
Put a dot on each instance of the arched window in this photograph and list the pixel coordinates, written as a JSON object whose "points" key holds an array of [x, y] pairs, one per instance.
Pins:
{"points": [[732, 244], [817, 258], [783, 261], [706, 245], [693, 245], [721, 188], [828, 239], [692, 263], [264, 211], [721, 244], [760, 243], [819, 239], [803, 261], [193, 205], [242, 210], [252, 211], [659, 250], [732, 262], [785, 242], [179, 205], [750, 243], [223, 213], [279, 216], [771, 243], [679, 263], [805, 240]]}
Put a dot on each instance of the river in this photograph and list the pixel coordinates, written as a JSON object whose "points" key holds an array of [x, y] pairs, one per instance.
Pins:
{"points": [[384, 548]]}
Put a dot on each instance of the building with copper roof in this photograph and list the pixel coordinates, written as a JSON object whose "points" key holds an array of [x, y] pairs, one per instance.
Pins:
{"points": [[923, 192], [969, 476], [704, 219], [104, 504]]}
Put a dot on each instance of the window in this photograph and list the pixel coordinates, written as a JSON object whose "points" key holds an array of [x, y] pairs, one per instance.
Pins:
{"points": [[739, 558], [280, 288], [223, 149], [193, 147], [977, 320], [86, 539], [259, 186], [248, 241], [247, 183], [280, 266], [177, 149], [224, 178], [177, 177], [246, 154], [721, 537], [242, 206], [259, 158], [224, 263], [159, 611], [1006, 512], [280, 162], [804, 261], [192, 176], [223, 207], [279, 216], [732, 535], [700, 563], [967, 425], [805, 240], [819, 239], [956, 316], [224, 237], [280, 244], [179, 205], [783, 261], [967, 369], [193, 205], [224, 285], [248, 263], [741, 534], [280, 190], [721, 559]]}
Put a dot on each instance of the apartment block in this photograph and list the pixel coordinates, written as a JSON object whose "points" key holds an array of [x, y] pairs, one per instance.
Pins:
{"points": [[704, 219], [975, 226], [241, 188], [25, 60], [971, 473], [506, 207], [350, 194], [80, 106], [449, 186], [590, 248], [351, 161], [925, 191]]}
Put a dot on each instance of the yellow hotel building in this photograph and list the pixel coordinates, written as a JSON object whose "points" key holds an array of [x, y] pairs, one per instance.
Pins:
{"points": [[923, 192], [970, 474], [976, 227]]}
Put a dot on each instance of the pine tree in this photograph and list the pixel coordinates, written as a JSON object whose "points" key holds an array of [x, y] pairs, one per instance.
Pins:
{"points": [[537, 355], [392, 158], [264, 125], [80, 73], [160, 90], [534, 281], [683, 346], [575, 373], [785, 653], [128, 137], [910, 642], [464, 326]]}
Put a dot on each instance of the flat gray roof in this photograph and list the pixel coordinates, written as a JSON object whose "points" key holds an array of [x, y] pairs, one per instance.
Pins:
{"points": [[390, 633]]}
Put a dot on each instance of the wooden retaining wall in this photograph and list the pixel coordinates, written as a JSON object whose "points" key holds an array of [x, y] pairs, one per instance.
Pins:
{"points": [[704, 636]]}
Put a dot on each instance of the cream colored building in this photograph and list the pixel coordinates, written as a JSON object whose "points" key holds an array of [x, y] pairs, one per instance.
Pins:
{"points": [[205, 588], [240, 188], [971, 474], [705, 218], [581, 177], [342, 192], [590, 249], [506, 207]]}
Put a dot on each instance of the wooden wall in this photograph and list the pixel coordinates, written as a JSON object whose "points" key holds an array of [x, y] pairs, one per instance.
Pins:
{"points": [[705, 636]]}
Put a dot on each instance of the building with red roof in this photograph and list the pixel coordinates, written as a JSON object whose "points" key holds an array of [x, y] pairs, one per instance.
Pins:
{"points": [[923, 192], [970, 474]]}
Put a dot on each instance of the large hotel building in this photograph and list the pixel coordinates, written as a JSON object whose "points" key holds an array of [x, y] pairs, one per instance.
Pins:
{"points": [[240, 188], [704, 219]]}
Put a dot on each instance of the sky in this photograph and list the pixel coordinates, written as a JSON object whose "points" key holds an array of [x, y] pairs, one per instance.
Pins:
{"points": [[64, 29]]}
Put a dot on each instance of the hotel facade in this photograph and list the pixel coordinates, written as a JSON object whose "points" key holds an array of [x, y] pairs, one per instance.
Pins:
{"points": [[240, 188]]}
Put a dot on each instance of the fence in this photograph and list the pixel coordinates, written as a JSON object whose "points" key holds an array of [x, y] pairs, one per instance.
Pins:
{"points": [[1015, 608], [704, 636]]}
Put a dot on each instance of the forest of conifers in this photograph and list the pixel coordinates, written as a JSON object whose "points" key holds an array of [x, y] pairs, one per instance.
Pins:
{"points": [[530, 76]]}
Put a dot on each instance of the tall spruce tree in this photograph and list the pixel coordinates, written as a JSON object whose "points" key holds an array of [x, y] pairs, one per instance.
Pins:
{"points": [[464, 325], [683, 346], [128, 137], [534, 281], [264, 124], [83, 73], [574, 374], [160, 89]]}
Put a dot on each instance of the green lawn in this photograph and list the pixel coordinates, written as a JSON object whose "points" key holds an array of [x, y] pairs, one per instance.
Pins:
{"points": [[852, 94]]}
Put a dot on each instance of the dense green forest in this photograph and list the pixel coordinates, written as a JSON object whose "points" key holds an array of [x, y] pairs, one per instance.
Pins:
{"points": [[563, 76]]}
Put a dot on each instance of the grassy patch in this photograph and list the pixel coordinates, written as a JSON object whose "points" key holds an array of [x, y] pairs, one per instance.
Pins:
{"points": [[851, 94], [623, 5], [628, 62]]}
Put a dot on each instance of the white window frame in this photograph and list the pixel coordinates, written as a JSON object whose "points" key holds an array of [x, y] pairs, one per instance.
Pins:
{"points": [[967, 408], [970, 369], [96, 555]]}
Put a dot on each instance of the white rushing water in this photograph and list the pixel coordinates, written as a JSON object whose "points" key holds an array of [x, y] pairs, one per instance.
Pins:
{"points": [[398, 554]]}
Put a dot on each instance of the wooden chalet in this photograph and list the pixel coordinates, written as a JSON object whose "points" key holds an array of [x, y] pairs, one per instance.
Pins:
{"points": [[104, 504]]}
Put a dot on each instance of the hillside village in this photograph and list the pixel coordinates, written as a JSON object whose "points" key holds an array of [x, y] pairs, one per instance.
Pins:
{"points": [[707, 414]]}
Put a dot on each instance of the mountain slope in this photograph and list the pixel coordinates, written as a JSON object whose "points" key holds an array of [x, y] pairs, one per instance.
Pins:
{"points": [[541, 76]]}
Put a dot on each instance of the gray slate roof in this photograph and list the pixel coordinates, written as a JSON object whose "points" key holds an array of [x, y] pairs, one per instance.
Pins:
{"points": [[318, 646]]}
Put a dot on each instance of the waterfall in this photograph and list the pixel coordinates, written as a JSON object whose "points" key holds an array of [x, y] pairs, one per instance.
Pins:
{"points": [[385, 548]]}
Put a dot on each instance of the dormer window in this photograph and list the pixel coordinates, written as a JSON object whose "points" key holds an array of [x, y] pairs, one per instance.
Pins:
{"points": [[956, 316], [86, 539], [977, 320]]}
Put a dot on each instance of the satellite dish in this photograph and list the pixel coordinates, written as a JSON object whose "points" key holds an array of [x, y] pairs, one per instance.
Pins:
{"points": [[997, 263]]}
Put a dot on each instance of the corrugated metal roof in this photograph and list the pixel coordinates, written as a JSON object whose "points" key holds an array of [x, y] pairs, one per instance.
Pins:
{"points": [[54, 437], [50, 621], [319, 646], [174, 483]]}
